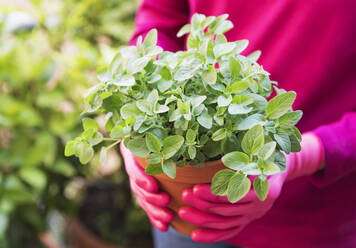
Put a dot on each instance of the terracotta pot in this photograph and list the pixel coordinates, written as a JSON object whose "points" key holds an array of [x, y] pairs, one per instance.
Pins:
{"points": [[81, 237], [187, 176]]}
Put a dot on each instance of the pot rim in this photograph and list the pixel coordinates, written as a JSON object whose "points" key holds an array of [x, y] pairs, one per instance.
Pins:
{"points": [[188, 173]]}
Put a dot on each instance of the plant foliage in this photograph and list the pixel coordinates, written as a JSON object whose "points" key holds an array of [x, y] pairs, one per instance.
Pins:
{"points": [[189, 107]]}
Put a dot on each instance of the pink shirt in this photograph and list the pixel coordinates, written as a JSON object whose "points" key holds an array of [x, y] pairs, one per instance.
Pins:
{"points": [[308, 47]]}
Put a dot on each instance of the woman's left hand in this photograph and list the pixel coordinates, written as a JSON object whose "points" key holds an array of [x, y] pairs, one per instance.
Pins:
{"points": [[221, 220]]}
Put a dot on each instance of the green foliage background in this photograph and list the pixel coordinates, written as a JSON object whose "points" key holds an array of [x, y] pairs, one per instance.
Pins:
{"points": [[43, 74]]}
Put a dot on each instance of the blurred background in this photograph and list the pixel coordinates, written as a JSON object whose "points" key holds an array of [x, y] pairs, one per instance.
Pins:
{"points": [[49, 52]]}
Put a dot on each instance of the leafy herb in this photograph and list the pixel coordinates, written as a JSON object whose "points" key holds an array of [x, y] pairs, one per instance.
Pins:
{"points": [[189, 107]]}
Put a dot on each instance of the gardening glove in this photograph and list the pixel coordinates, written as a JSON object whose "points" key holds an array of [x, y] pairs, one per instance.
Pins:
{"points": [[147, 192], [221, 220]]}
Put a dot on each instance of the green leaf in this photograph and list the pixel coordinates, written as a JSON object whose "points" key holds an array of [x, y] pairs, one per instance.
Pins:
{"points": [[223, 27], [161, 109], [197, 100], [205, 120], [241, 45], [283, 141], [191, 136], [212, 148], [219, 120], [251, 121], [103, 153], [153, 143], [224, 101], [150, 39], [129, 109], [154, 158], [280, 161], [271, 169], [223, 49], [266, 151], [209, 76], [154, 169], [187, 69], [96, 139], [169, 168], [62, 167], [220, 38], [290, 119], [124, 81], [220, 182], [144, 106], [261, 188], [184, 30], [239, 186], [164, 85], [153, 97], [171, 145], [234, 67], [230, 144], [175, 115], [279, 105], [138, 147], [253, 140], [192, 151], [137, 65], [254, 56], [239, 109], [35, 177], [69, 149], [297, 133], [85, 152], [219, 134], [235, 160], [238, 87], [119, 132], [88, 134], [243, 100], [259, 101], [295, 144], [90, 123]]}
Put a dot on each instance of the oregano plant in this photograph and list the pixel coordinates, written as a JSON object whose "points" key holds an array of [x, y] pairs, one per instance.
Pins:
{"points": [[185, 108]]}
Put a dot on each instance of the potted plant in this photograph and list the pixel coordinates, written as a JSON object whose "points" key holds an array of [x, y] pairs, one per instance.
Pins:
{"points": [[194, 116]]}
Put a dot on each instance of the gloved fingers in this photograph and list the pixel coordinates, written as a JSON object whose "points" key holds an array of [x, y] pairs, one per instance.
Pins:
{"points": [[223, 209], [158, 213], [161, 226], [203, 192], [137, 173], [213, 235], [207, 220], [160, 199]]}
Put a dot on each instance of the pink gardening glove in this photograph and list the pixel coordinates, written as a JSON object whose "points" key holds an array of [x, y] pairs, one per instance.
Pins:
{"points": [[221, 220], [147, 191]]}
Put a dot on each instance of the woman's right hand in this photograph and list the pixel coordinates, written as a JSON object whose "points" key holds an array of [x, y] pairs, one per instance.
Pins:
{"points": [[147, 192]]}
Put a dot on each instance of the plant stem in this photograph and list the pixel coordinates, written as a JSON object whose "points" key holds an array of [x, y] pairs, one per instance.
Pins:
{"points": [[113, 144], [111, 139]]}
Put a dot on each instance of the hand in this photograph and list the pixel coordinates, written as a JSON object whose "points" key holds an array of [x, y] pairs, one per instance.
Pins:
{"points": [[221, 220], [147, 192]]}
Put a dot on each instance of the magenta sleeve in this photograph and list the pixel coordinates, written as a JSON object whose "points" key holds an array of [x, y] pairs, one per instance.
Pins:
{"points": [[339, 140], [167, 16]]}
